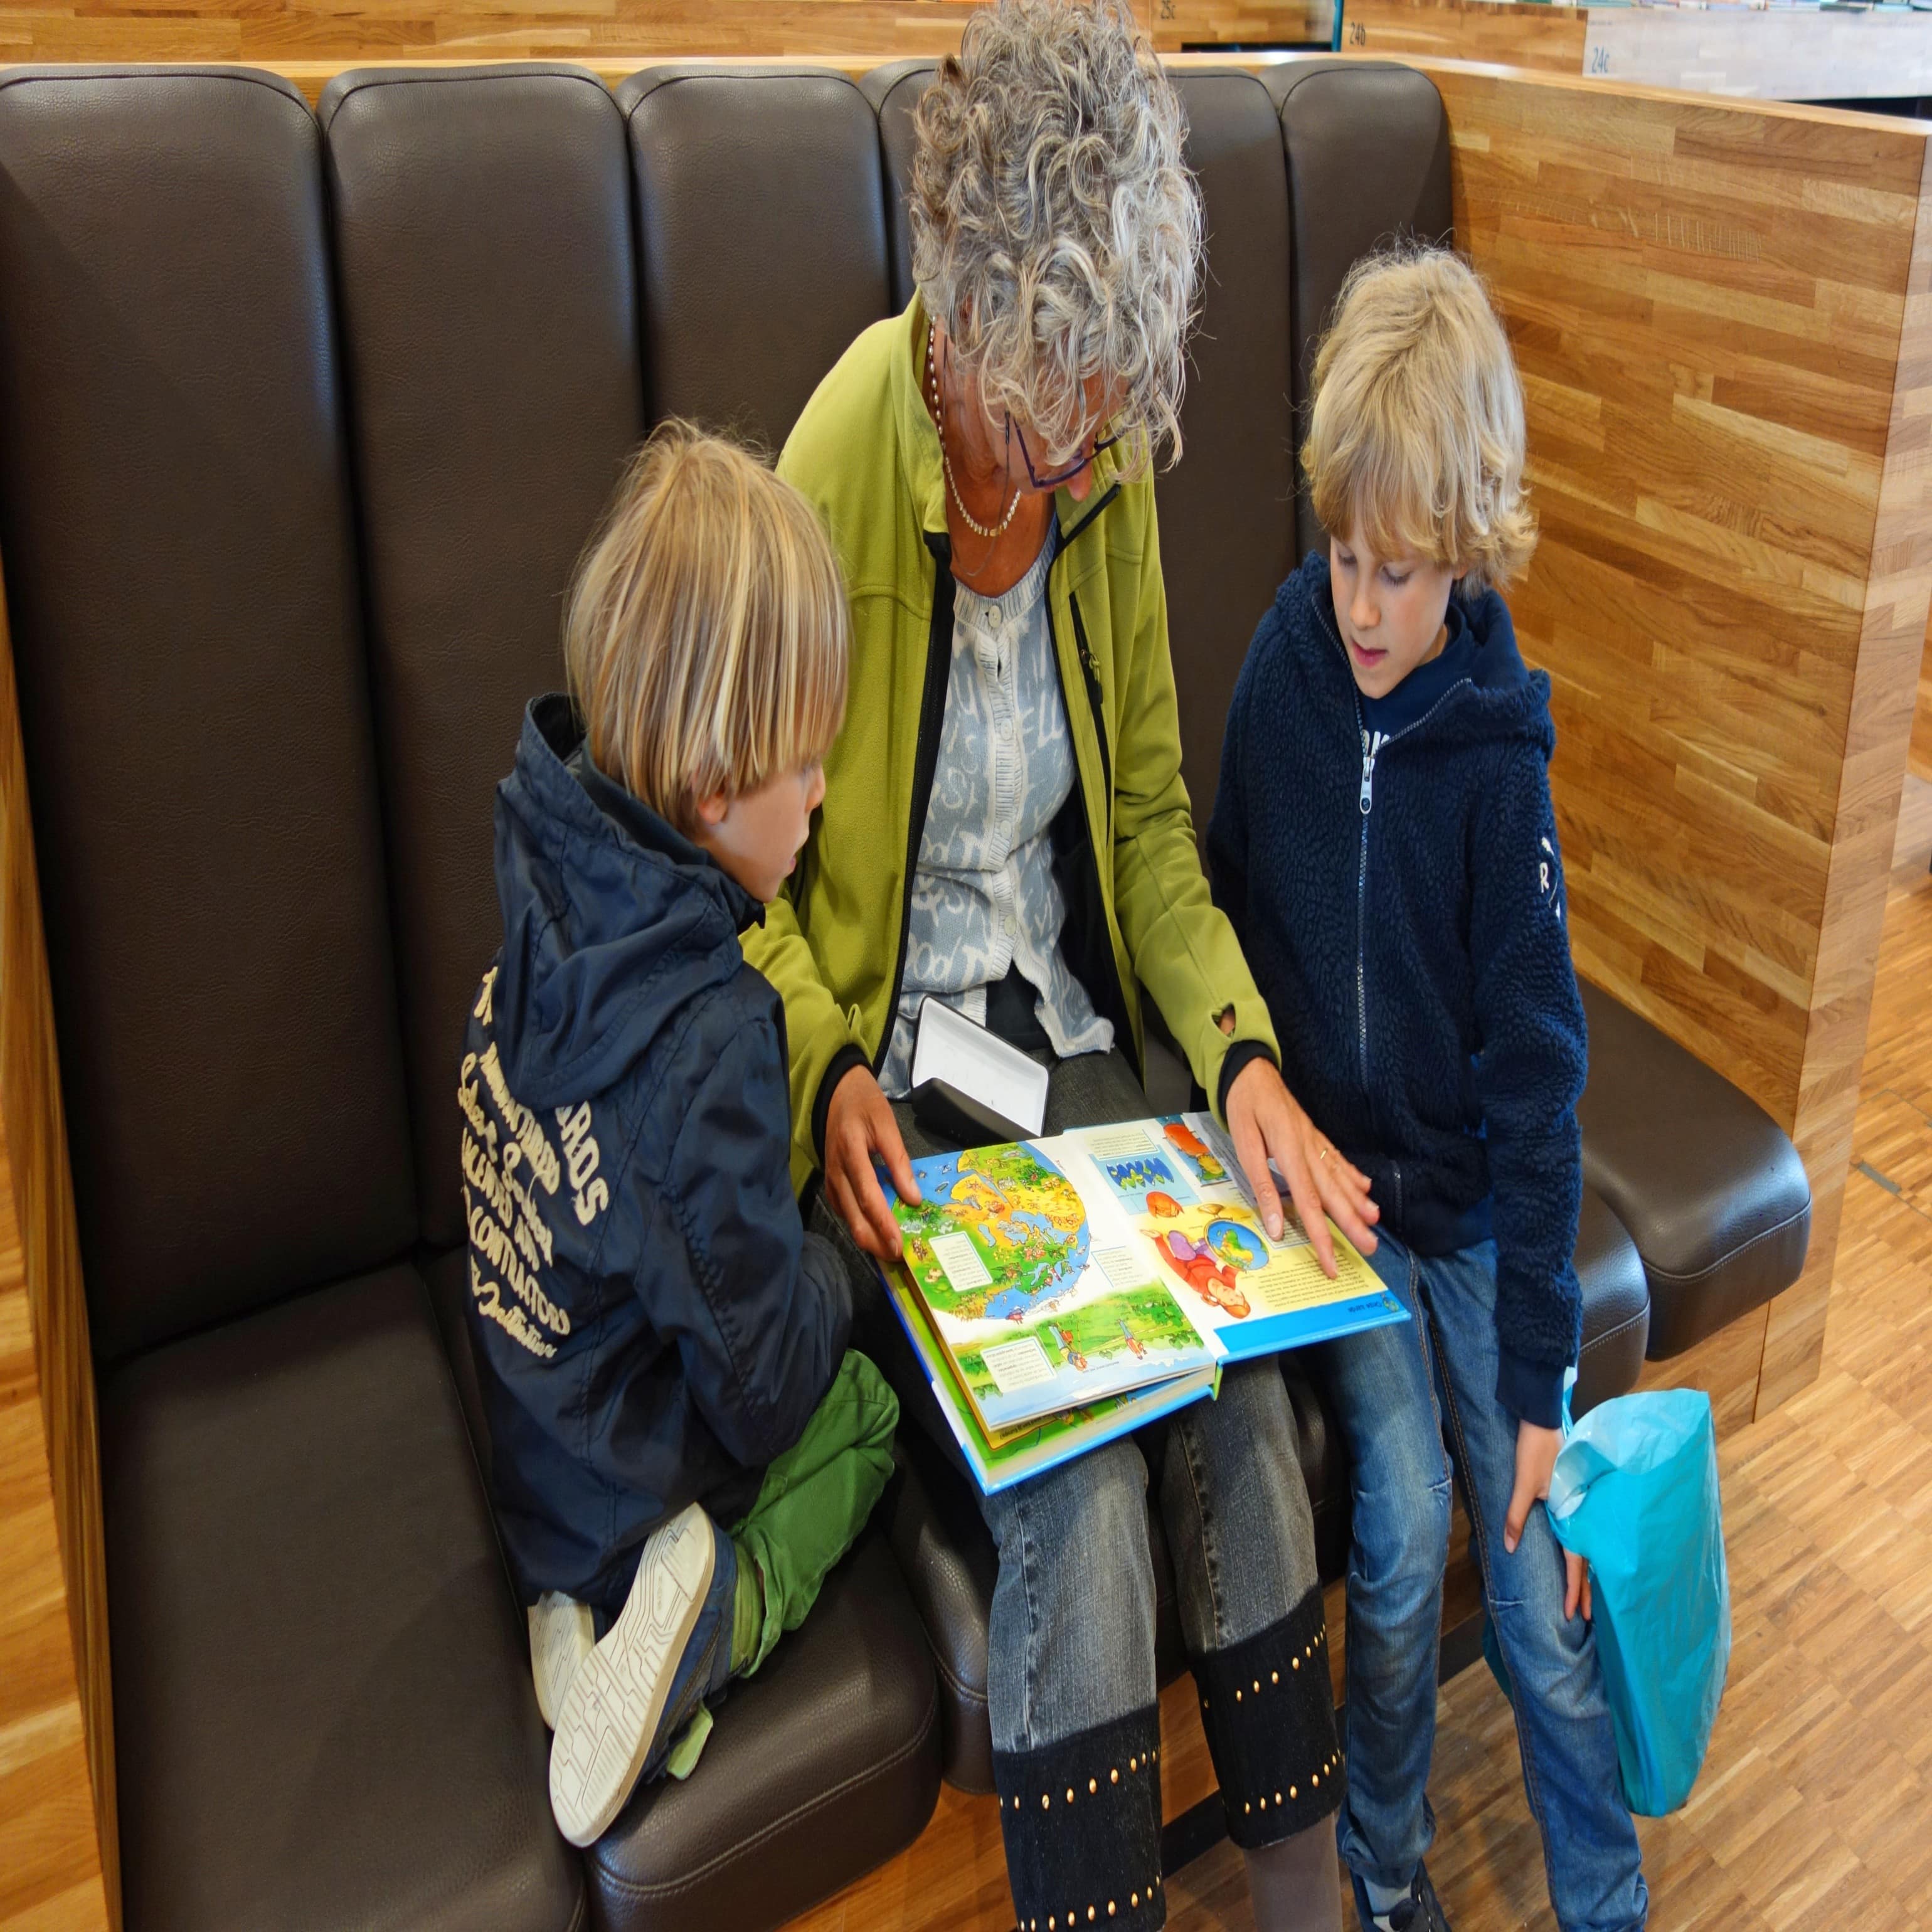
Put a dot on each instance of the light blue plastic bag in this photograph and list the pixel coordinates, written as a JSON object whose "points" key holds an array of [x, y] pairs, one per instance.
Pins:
{"points": [[1635, 1494]]}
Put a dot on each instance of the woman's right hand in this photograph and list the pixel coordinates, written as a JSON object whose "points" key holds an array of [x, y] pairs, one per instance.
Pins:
{"points": [[859, 1124]]}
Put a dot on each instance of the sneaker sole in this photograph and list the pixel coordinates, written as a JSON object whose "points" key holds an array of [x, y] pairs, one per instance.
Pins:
{"points": [[615, 1702], [561, 1638]]}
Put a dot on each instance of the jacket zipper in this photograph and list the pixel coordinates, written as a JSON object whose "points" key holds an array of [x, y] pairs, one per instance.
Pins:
{"points": [[1090, 671], [1372, 750], [926, 756], [1090, 675]]}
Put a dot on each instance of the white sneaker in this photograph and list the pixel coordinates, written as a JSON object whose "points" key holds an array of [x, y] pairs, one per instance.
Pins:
{"points": [[563, 1634], [669, 1649]]}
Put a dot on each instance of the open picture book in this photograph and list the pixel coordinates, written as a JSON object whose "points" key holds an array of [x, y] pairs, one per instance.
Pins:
{"points": [[1062, 1291]]}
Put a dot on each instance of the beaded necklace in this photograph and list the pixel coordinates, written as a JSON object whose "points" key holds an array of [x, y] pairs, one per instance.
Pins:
{"points": [[992, 532]]}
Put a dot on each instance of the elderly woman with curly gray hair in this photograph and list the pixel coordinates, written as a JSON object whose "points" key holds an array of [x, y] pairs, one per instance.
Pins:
{"points": [[1005, 829]]}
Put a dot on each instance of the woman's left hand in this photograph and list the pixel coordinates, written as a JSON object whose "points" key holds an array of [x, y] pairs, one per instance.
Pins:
{"points": [[1267, 1123]]}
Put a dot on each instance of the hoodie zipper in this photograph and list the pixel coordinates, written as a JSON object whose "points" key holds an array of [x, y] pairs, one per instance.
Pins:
{"points": [[1373, 747]]}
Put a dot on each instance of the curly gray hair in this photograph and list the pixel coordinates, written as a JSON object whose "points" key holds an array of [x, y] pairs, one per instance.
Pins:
{"points": [[1056, 231]]}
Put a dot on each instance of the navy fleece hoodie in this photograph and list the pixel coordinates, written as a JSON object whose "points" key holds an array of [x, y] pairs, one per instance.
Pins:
{"points": [[1401, 905], [653, 1323]]}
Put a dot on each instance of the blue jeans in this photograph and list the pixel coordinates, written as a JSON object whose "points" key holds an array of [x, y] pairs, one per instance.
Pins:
{"points": [[1070, 1678], [1398, 1392], [1071, 1637]]}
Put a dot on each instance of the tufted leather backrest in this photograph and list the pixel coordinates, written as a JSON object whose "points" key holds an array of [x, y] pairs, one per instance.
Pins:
{"points": [[182, 591], [762, 223], [482, 229], [1227, 509], [1367, 144], [894, 91]]}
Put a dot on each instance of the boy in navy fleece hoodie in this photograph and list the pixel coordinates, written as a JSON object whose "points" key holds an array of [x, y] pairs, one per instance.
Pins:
{"points": [[1384, 842], [660, 1346]]}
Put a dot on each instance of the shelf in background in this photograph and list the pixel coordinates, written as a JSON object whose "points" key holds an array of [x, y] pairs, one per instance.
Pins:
{"points": [[1776, 54]]}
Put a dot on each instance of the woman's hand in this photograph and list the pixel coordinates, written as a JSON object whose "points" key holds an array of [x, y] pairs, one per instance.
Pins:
{"points": [[1267, 1123], [1535, 1458], [859, 1123]]}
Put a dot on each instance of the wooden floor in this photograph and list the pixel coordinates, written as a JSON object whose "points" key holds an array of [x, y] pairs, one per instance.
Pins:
{"points": [[1814, 1810]]}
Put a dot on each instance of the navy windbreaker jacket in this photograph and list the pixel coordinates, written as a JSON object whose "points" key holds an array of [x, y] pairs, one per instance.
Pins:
{"points": [[1402, 908], [652, 1325]]}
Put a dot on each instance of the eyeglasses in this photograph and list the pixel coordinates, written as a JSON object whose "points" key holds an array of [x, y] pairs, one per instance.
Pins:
{"points": [[1058, 476]]}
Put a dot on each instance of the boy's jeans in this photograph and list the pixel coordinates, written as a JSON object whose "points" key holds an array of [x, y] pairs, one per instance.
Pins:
{"points": [[1398, 1391], [816, 1497]]}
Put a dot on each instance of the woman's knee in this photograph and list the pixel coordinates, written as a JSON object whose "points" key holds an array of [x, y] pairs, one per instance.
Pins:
{"points": [[1091, 1511]]}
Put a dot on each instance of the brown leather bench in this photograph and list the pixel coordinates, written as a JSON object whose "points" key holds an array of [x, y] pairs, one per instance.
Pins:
{"points": [[302, 422]]}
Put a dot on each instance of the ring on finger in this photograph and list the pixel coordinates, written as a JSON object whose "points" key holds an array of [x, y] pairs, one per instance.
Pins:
{"points": [[1324, 1153]]}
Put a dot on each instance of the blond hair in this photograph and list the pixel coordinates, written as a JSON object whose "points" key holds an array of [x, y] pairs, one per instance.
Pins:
{"points": [[706, 635], [1415, 439]]}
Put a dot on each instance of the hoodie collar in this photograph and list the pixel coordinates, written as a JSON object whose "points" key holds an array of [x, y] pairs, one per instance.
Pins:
{"points": [[570, 780], [1504, 698]]}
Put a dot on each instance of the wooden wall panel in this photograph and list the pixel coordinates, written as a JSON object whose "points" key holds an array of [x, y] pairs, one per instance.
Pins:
{"points": [[1891, 635], [1547, 37], [1725, 1365], [1727, 389], [58, 1848], [1921, 722], [347, 31]]}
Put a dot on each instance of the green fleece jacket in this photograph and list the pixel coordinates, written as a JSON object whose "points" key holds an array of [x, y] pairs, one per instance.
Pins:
{"points": [[865, 453]]}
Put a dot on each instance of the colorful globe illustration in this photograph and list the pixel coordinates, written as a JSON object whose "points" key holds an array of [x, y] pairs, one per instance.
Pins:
{"points": [[1241, 1247]]}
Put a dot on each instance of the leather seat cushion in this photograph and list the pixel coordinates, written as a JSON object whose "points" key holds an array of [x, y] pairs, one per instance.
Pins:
{"points": [[1616, 1306], [1712, 1192], [323, 1710], [824, 1765]]}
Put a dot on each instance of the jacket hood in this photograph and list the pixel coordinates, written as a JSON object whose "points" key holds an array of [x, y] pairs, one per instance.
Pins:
{"points": [[1504, 698], [613, 920]]}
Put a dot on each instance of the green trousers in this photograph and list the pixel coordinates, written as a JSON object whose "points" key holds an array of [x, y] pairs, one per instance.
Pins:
{"points": [[813, 1503]]}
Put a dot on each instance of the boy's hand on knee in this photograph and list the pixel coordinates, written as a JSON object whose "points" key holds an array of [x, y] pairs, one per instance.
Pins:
{"points": [[1267, 1123], [859, 1123], [1535, 1458]]}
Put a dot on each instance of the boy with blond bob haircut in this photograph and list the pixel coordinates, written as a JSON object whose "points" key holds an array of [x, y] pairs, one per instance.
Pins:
{"points": [[1384, 842], [660, 1346]]}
